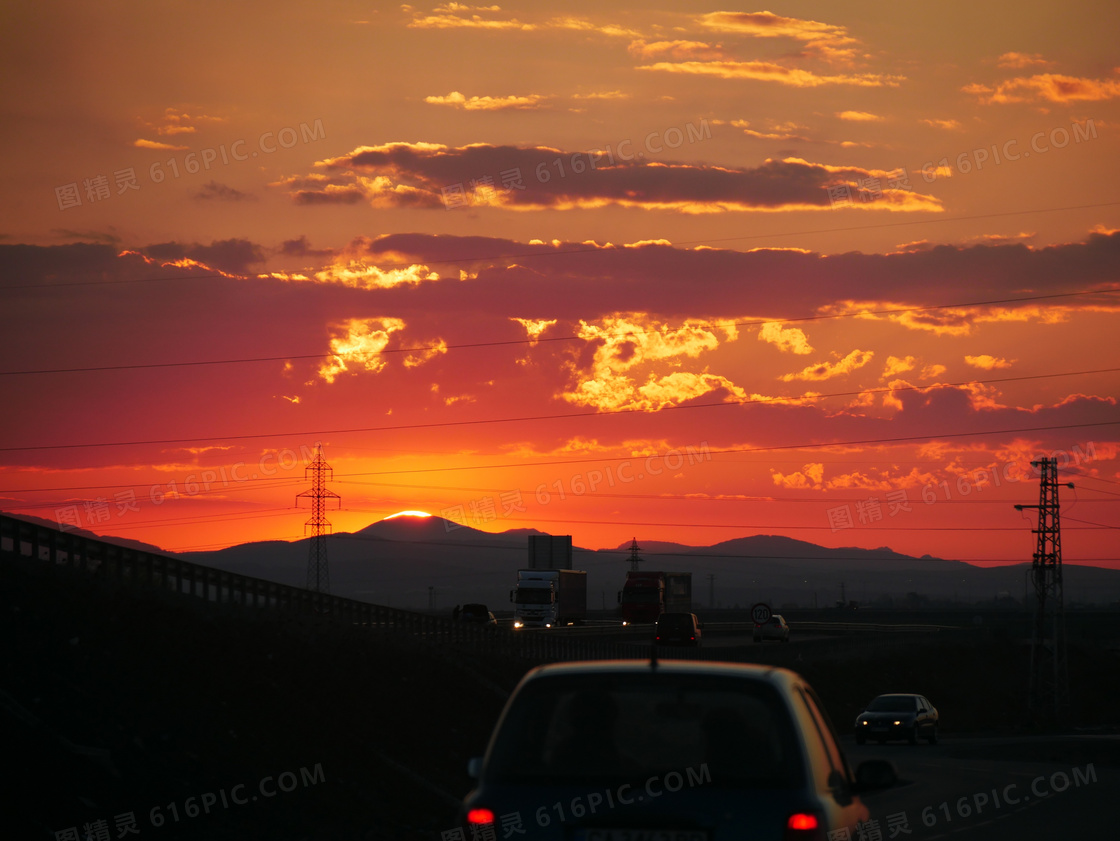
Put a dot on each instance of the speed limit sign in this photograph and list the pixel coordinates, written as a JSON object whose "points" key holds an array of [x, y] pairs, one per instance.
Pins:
{"points": [[761, 613]]}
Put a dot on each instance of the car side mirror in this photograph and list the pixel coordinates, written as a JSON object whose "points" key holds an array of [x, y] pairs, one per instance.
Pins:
{"points": [[876, 774], [474, 767]]}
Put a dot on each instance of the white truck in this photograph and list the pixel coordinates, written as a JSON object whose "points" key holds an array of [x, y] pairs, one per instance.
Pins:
{"points": [[547, 598]]}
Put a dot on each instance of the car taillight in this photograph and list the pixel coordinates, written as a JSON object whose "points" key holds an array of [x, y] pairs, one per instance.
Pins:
{"points": [[802, 826], [480, 816]]}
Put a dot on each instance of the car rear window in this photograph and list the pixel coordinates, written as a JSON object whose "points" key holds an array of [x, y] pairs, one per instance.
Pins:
{"points": [[578, 730], [893, 704], [674, 622]]}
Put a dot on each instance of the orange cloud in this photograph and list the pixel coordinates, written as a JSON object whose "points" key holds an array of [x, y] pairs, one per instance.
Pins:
{"points": [[948, 125], [534, 327], [677, 50], [1046, 86], [859, 116], [769, 72], [827, 370], [155, 144], [770, 25], [809, 476], [462, 16], [790, 339], [584, 25], [602, 95], [359, 347], [487, 103], [896, 366], [785, 132], [988, 363], [1017, 61], [624, 343], [827, 41]]}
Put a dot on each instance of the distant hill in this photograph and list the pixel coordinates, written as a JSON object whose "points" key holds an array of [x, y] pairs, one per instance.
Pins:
{"points": [[396, 561], [414, 562]]}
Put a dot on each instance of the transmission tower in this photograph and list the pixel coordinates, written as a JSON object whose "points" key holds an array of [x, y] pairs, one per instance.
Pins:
{"points": [[634, 559], [319, 472], [1048, 700]]}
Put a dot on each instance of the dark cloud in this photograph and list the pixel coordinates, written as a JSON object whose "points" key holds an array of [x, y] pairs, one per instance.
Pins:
{"points": [[302, 248], [222, 192], [578, 280], [432, 176], [230, 255], [88, 236], [345, 195]]}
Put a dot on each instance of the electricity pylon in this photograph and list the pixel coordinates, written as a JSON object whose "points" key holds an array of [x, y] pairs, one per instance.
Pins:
{"points": [[318, 575], [1048, 698], [634, 559]]}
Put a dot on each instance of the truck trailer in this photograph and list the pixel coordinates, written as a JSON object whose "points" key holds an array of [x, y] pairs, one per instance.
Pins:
{"points": [[646, 595], [548, 598]]}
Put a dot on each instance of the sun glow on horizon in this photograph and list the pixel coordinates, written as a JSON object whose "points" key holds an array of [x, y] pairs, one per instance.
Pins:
{"points": [[408, 514]]}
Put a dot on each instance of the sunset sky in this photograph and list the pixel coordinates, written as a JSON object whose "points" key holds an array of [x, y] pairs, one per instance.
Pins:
{"points": [[677, 271]]}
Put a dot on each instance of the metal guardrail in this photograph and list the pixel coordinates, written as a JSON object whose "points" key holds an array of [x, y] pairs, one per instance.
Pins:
{"points": [[23, 539], [132, 567]]}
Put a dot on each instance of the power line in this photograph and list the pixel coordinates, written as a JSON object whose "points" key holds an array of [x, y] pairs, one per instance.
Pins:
{"points": [[543, 340], [592, 249], [561, 416]]}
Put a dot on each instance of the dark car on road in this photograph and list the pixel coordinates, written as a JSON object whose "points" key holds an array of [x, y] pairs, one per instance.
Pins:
{"points": [[774, 628], [476, 613], [666, 749], [678, 629], [898, 716]]}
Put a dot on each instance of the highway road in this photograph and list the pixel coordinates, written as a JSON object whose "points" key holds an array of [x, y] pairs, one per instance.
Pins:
{"points": [[991, 789]]}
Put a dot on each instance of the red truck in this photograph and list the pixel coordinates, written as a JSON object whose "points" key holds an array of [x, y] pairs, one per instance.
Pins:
{"points": [[646, 595]]}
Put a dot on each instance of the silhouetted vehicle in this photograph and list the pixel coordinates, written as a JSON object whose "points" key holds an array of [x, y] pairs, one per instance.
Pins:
{"points": [[775, 628], [615, 750], [678, 629], [647, 594], [549, 598], [898, 716], [476, 613]]}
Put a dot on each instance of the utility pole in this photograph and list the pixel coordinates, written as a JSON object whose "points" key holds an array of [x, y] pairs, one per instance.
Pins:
{"points": [[634, 559], [1048, 698], [318, 576]]}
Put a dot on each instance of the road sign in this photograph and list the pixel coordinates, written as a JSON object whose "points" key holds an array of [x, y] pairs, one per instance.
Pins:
{"points": [[761, 613]]}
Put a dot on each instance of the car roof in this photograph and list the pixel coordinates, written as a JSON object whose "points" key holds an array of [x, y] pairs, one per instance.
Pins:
{"points": [[775, 675]]}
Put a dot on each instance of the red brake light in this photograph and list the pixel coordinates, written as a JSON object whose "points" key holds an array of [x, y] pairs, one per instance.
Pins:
{"points": [[480, 816], [803, 825]]}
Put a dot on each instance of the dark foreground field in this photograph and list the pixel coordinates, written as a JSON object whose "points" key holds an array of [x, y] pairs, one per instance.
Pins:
{"points": [[125, 708]]}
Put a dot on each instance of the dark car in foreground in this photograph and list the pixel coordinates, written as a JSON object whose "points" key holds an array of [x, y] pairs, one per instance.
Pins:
{"points": [[665, 749], [678, 629], [898, 716]]}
